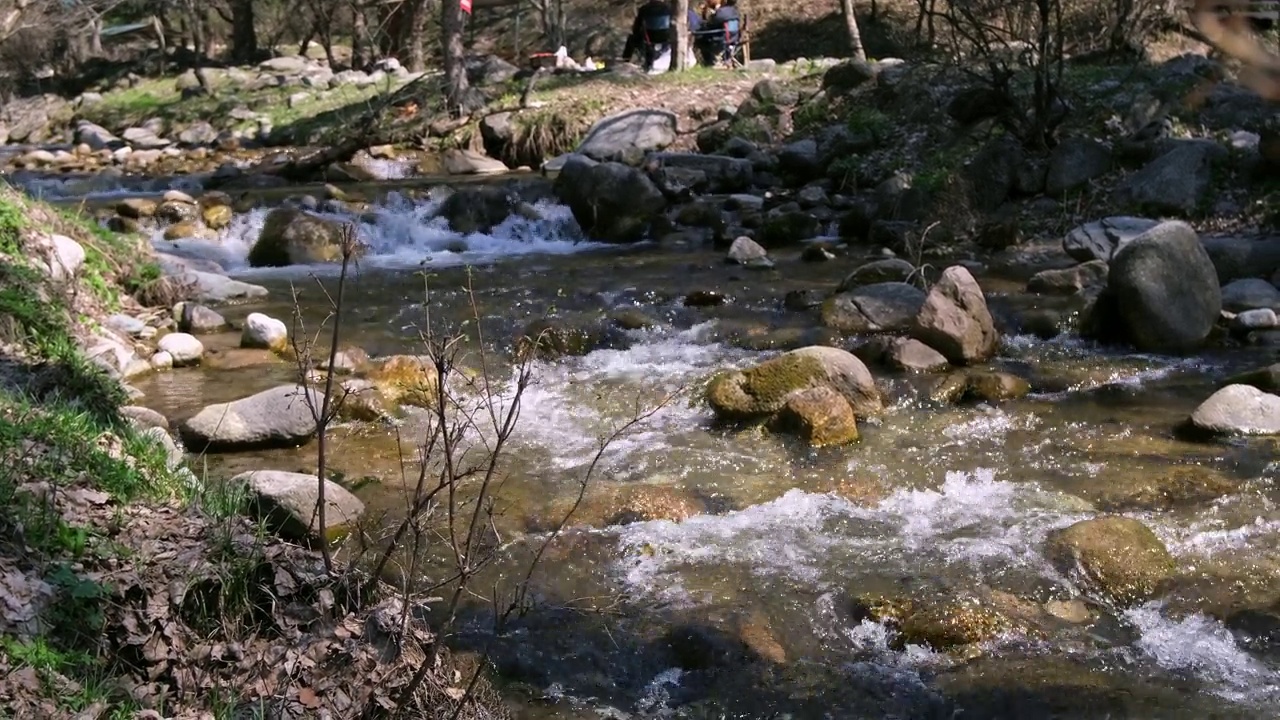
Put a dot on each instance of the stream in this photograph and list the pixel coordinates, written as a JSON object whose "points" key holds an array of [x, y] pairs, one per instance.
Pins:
{"points": [[744, 537]]}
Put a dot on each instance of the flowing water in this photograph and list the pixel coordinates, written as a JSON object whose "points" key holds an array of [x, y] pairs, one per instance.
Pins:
{"points": [[633, 619]]}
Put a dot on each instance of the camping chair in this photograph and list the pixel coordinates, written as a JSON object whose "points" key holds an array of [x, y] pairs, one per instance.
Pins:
{"points": [[734, 54], [657, 35]]}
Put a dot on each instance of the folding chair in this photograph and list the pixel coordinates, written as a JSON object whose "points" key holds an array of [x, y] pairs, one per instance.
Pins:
{"points": [[733, 56], [657, 34]]}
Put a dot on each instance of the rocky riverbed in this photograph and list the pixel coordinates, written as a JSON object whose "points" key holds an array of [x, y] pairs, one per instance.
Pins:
{"points": [[1024, 471]]}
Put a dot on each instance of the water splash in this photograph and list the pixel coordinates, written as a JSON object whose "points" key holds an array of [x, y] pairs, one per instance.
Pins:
{"points": [[401, 232], [1203, 647]]}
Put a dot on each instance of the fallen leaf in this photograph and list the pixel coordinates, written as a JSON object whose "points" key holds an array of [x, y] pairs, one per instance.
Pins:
{"points": [[308, 698]]}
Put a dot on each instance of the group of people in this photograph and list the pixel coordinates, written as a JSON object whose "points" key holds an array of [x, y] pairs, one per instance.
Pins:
{"points": [[712, 25]]}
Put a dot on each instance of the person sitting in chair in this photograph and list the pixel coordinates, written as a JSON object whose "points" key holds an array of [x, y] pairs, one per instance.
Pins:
{"points": [[650, 29], [713, 35]]}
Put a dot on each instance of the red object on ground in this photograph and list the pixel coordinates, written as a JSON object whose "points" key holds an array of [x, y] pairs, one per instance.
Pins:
{"points": [[542, 59], [466, 6]]}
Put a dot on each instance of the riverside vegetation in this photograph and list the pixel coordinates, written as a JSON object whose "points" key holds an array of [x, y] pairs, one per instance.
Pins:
{"points": [[888, 388]]}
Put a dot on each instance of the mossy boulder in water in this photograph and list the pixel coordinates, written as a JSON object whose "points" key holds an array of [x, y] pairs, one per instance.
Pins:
{"points": [[980, 386], [1118, 557], [294, 237], [550, 340], [287, 502], [481, 208], [404, 379], [1266, 379], [820, 416], [763, 391], [941, 623]]}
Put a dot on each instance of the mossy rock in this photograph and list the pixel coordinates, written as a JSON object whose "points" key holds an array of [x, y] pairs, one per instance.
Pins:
{"points": [[762, 391], [551, 340], [294, 237], [942, 623], [404, 379], [621, 505], [980, 386], [820, 416], [177, 211], [1118, 557], [1156, 489], [217, 217], [1266, 379]]}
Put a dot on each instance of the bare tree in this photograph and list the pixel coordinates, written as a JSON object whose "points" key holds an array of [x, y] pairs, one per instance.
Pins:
{"points": [[855, 35], [457, 89]]}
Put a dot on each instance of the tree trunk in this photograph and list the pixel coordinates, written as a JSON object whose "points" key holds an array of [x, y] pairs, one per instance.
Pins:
{"points": [[455, 68], [414, 55], [855, 35], [680, 43], [360, 56], [244, 38]]}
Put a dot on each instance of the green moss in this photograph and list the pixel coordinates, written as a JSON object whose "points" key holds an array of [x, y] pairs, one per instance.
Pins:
{"points": [[762, 390]]}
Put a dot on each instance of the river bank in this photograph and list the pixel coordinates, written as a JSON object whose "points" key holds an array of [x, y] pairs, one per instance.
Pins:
{"points": [[939, 441]]}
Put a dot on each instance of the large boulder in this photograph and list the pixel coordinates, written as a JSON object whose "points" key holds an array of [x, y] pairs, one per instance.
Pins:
{"points": [[293, 237], [1118, 557], [1176, 182], [288, 504], [762, 391], [264, 332], [277, 417], [1099, 240], [612, 202], [1250, 294], [878, 271], [479, 208], [185, 349], [723, 173], [1162, 290], [1266, 378], [820, 416], [955, 321], [1238, 410], [873, 308], [1074, 162], [628, 135]]}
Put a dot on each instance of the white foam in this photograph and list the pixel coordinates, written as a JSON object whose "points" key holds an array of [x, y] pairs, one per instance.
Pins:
{"points": [[813, 539], [1201, 645], [405, 233], [656, 699]]}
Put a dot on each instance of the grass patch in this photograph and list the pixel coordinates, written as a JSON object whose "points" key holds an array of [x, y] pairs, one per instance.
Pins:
{"points": [[62, 436]]}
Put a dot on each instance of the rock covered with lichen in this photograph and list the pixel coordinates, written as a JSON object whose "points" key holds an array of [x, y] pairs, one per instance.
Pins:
{"points": [[818, 391]]}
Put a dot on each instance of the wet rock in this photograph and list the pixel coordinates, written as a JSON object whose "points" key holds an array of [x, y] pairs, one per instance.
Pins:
{"points": [[362, 401], [939, 623], [175, 211], [161, 361], [277, 417], [1101, 239], [197, 319], [627, 136], [1162, 292], [1266, 379], [216, 217], [1072, 611], [185, 349], [612, 202], [479, 208], [1069, 281], [754, 630], [184, 230], [346, 360], [1250, 294], [265, 333], [123, 225], [801, 300], [745, 251], [1156, 488], [762, 391], [908, 355], [980, 386], [705, 298], [404, 379], [695, 647], [781, 229], [625, 505], [288, 503], [551, 340], [878, 271], [470, 162], [1238, 410], [873, 308], [294, 237], [1118, 557], [632, 319], [818, 253], [820, 416], [955, 321]]}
